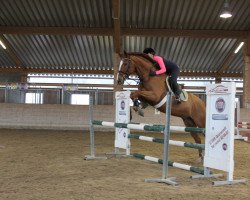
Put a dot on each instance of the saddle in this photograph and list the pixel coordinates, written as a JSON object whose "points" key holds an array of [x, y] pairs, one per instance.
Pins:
{"points": [[183, 94]]}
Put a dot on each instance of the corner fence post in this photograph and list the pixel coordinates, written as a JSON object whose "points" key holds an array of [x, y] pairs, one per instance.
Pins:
{"points": [[91, 128]]}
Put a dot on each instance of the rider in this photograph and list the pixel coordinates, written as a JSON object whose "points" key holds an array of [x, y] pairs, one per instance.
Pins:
{"points": [[167, 67]]}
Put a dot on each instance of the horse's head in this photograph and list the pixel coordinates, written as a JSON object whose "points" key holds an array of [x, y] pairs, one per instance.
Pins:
{"points": [[126, 68], [134, 63]]}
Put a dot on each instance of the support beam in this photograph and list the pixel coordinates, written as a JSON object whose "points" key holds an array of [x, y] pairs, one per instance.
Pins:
{"points": [[117, 25], [110, 86], [210, 74], [185, 33], [246, 74], [218, 80], [24, 77], [116, 57], [124, 31], [53, 70], [117, 43], [16, 30]]}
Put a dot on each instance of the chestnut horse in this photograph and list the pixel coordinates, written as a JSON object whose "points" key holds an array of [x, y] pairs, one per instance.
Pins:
{"points": [[153, 89]]}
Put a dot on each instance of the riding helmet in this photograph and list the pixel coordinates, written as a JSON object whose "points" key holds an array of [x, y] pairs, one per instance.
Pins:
{"points": [[149, 50]]}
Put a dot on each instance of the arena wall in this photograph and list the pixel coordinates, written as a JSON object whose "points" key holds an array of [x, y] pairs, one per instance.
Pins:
{"points": [[73, 117]]}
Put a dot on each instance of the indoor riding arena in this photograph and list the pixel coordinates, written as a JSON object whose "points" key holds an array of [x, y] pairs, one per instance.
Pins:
{"points": [[64, 68], [39, 163]]}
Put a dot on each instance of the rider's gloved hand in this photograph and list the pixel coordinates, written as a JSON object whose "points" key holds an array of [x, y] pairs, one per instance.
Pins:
{"points": [[152, 73]]}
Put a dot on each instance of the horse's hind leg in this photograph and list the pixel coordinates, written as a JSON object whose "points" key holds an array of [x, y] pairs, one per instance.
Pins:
{"points": [[190, 123]]}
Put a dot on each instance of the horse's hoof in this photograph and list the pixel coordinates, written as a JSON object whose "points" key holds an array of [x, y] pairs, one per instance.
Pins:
{"points": [[135, 108], [141, 113]]}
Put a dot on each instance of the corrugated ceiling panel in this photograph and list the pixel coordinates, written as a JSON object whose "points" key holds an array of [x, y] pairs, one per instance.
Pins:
{"points": [[87, 13], [84, 52], [237, 63], [5, 60], [184, 14], [95, 52]]}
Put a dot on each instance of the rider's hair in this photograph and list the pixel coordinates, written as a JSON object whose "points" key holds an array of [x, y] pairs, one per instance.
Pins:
{"points": [[149, 50]]}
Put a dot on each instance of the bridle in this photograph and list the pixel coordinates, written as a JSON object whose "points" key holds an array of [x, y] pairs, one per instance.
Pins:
{"points": [[125, 74], [127, 65]]}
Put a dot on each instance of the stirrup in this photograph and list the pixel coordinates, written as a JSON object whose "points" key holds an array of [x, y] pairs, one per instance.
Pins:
{"points": [[178, 100]]}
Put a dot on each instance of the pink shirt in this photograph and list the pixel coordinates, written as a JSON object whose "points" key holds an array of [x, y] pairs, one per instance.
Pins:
{"points": [[160, 61]]}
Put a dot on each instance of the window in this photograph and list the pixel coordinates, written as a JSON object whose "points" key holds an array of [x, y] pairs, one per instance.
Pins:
{"points": [[80, 99], [35, 98]]}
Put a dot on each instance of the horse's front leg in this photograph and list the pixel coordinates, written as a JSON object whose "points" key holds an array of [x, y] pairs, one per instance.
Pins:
{"points": [[149, 96], [142, 96]]}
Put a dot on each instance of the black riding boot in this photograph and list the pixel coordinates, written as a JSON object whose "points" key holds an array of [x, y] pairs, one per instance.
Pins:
{"points": [[177, 91], [178, 99]]}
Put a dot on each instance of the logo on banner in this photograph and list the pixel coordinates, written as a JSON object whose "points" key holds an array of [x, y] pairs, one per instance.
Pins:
{"points": [[224, 146], [121, 96], [219, 89]]}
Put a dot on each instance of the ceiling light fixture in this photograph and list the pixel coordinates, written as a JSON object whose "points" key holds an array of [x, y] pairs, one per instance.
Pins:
{"points": [[225, 13], [1, 43], [239, 47]]}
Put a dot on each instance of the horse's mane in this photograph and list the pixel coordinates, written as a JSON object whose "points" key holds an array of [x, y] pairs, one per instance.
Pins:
{"points": [[144, 56]]}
